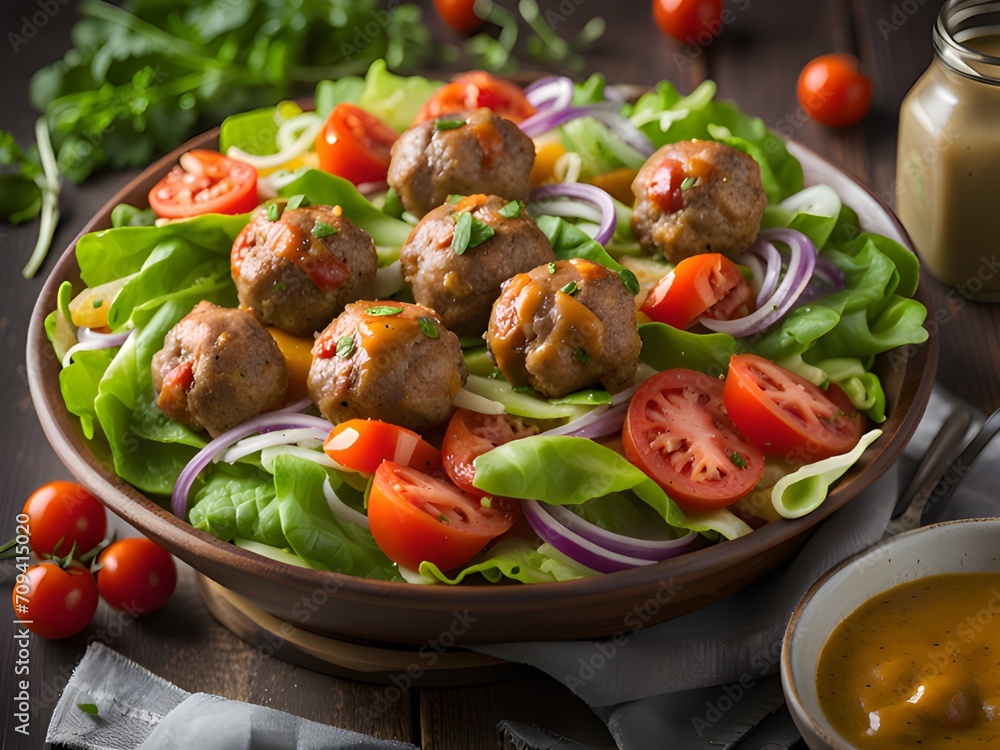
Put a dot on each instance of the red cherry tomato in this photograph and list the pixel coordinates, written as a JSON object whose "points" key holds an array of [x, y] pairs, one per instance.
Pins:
{"points": [[205, 182], [459, 15], [833, 91], [692, 21], [785, 415], [136, 575], [55, 602], [477, 89], [416, 517], [355, 145], [708, 284], [470, 435], [676, 430], [63, 517], [362, 444]]}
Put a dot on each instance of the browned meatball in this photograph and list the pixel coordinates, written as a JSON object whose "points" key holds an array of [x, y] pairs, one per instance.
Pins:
{"points": [[697, 197], [488, 154], [461, 283], [298, 272], [218, 368], [387, 360], [565, 326]]}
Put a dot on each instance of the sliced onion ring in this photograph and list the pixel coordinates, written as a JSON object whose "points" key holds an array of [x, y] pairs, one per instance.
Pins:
{"points": [[802, 261], [281, 420], [644, 549], [589, 193], [108, 340], [551, 92]]}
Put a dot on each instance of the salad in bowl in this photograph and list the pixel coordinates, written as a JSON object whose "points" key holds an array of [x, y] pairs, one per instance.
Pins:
{"points": [[469, 333]]}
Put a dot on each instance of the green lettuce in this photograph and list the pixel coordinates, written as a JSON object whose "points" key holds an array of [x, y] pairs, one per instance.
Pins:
{"points": [[396, 100]]}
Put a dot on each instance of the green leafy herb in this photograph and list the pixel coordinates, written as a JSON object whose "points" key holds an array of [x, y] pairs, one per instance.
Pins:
{"points": [[88, 708], [345, 346], [512, 210], [469, 232], [97, 303], [688, 182], [30, 190], [296, 200], [383, 310], [322, 229], [629, 280], [448, 124], [570, 288], [428, 327], [280, 286], [274, 211], [486, 502], [552, 267], [738, 460], [580, 355]]}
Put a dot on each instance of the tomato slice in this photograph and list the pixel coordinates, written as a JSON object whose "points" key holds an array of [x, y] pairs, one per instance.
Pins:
{"points": [[205, 182], [470, 435], [355, 145], [708, 284], [416, 517], [478, 89], [676, 430], [786, 415], [362, 444]]}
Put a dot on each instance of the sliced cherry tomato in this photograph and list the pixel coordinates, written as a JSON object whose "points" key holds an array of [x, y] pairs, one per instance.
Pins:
{"points": [[63, 517], [666, 187], [833, 91], [691, 21], [362, 444], [136, 575], [205, 182], [477, 89], [708, 284], [470, 435], [459, 15], [785, 415], [416, 517], [355, 145], [676, 430], [53, 601]]}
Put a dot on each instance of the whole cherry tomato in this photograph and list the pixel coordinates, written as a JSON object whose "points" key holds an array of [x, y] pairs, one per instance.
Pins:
{"points": [[833, 91], [136, 575], [459, 14], [692, 21], [64, 517], [53, 601]]}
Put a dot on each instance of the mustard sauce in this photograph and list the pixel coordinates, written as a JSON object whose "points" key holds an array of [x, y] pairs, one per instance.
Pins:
{"points": [[917, 666]]}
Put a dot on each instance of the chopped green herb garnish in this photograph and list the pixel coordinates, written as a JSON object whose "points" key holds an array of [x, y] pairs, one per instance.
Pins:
{"points": [[381, 310], [552, 267], [428, 327], [297, 200], [522, 389], [97, 303], [280, 286], [570, 288], [688, 182], [448, 124], [512, 210], [88, 708], [629, 280], [580, 355], [453, 199], [273, 211], [469, 232], [738, 460], [345, 346], [486, 502], [322, 229], [442, 518]]}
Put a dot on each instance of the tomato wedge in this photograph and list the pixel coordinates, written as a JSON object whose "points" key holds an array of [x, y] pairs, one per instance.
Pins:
{"points": [[362, 444], [786, 415], [478, 89], [355, 145], [708, 284], [416, 517], [676, 430], [470, 435], [205, 182]]}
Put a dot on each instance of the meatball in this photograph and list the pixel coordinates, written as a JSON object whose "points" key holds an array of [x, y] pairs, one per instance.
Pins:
{"points": [[387, 360], [697, 197], [565, 326], [486, 154], [461, 283], [218, 368], [298, 272]]}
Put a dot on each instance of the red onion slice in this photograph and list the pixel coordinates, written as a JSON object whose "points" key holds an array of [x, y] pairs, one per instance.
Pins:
{"points": [[644, 549], [550, 119], [589, 193], [801, 262], [550, 93], [266, 422]]}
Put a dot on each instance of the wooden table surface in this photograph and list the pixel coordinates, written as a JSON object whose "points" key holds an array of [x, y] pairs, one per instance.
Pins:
{"points": [[755, 61]]}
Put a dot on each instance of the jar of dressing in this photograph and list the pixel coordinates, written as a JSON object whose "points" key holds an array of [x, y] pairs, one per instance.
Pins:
{"points": [[948, 162]]}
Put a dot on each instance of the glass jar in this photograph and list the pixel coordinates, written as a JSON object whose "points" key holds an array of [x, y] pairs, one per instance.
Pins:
{"points": [[948, 162]]}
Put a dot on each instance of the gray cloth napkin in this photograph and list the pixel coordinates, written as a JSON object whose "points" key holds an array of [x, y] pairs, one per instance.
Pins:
{"points": [[138, 710], [694, 678]]}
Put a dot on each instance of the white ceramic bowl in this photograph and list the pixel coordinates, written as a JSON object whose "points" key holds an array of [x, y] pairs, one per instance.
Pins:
{"points": [[968, 546]]}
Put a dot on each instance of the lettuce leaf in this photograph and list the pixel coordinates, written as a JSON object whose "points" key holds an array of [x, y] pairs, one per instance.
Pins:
{"points": [[238, 501], [396, 100], [515, 559]]}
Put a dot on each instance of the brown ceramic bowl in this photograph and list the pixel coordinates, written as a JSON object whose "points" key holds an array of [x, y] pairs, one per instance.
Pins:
{"points": [[397, 613]]}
